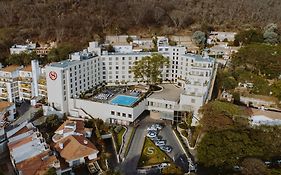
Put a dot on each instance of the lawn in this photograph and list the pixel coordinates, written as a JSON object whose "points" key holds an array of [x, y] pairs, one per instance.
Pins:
{"points": [[152, 155], [119, 138]]}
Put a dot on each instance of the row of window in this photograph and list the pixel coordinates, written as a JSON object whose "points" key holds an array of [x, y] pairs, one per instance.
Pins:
{"points": [[121, 114]]}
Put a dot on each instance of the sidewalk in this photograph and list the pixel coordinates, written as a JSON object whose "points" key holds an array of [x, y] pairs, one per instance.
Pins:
{"points": [[27, 116], [127, 138]]}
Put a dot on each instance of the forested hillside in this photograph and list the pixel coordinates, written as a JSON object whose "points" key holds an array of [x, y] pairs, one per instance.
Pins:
{"points": [[83, 20]]}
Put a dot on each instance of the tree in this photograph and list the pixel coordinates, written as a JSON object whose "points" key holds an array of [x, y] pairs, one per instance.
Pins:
{"points": [[129, 39], [229, 83], [276, 89], [248, 36], [219, 115], [60, 53], [199, 38], [149, 68], [23, 58], [253, 166], [270, 34], [260, 59], [51, 171]]}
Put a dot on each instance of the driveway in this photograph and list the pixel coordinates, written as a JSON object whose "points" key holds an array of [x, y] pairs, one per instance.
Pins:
{"points": [[177, 153], [129, 165]]}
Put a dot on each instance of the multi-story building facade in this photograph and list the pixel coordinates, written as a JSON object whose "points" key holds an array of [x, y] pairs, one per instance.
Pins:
{"points": [[67, 79], [9, 89], [22, 83]]}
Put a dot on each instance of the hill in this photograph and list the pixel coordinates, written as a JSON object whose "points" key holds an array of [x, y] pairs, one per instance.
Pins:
{"points": [[79, 21]]}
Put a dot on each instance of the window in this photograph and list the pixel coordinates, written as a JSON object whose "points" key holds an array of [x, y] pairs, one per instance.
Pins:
{"points": [[118, 113], [123, 115], [130, 115], [112, 112]]}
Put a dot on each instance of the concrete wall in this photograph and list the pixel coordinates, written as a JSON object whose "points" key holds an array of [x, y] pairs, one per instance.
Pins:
{"points": [[103, 110]]}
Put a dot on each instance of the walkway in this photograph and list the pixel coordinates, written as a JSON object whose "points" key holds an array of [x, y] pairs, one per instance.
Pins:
{"points": [[126, 141]]}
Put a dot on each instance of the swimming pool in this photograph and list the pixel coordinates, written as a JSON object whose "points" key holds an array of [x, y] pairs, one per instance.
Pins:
{"points": [[124, 100]]}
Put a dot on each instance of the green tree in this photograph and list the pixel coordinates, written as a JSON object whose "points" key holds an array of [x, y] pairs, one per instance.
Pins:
{"points": [[60, 53], [270, 34], [51, 171], [260, 59], [129, 39], [199, 38], [276, 89], [149, 68], [219, 115], [253, 166], [248, 36], [229, 83], [23, 58]]}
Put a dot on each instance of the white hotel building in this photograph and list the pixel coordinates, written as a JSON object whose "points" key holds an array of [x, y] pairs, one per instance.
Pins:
{"points": [[191, 74]]}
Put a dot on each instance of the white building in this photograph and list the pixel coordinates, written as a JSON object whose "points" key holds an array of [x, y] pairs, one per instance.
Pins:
{"points": [[67, 79], [221, 36], [9, 83], [22, 83], [17, 49]]}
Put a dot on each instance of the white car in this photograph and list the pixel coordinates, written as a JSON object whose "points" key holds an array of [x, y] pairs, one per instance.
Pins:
{"points": [[151, 128], [157, 126], [167, 149], [163, 165], [151, 134], [160, 143]]}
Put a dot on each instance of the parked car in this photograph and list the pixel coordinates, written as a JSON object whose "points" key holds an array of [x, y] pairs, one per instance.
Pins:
{"points": [[166, 148], [157, 126], [160, 143], [163, 165], [156, 139], [151, 128], [151, 134]]}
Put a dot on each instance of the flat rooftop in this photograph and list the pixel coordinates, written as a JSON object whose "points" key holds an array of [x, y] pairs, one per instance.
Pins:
{"points": [[199, 57], [270, 114], [10, 68], [169, 92]]}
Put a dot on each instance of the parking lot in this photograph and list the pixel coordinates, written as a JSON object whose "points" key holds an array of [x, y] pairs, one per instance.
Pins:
{"points": [[129, 166], [166, 138]]}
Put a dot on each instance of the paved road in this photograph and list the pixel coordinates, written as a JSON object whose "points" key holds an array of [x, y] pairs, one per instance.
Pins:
{"points": [[25, 112], [129, 166], [177, 154]]}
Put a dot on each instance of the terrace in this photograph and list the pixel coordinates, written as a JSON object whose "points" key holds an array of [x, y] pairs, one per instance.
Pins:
{"points": [[117, 95]]}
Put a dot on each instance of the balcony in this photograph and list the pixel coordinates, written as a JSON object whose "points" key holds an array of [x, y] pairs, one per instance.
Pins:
{"points": [[24, 79], [42, 88], [3, 96], [25, 86], [42, 81], [194, 94]]}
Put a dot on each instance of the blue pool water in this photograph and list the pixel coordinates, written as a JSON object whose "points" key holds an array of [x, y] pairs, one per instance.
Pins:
{"points": [[124, 100]]}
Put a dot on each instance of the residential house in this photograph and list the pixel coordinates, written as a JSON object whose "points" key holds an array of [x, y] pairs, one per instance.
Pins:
{"points": [[76, 150], [27, 147]]}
